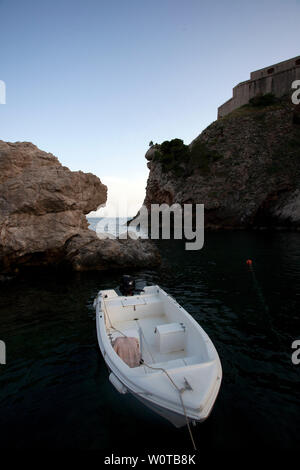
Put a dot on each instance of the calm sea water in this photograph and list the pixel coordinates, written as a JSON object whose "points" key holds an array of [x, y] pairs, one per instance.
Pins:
{"points": [[54, 389], [115, 226]]}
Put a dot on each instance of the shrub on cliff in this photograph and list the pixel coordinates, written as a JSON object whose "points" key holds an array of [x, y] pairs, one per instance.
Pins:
{"points": [[171, 154], [182, 160], [263, 100]]}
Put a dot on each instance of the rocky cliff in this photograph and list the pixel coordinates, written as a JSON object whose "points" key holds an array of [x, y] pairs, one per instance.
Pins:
{"points": [[245, 168], [42, 216]]}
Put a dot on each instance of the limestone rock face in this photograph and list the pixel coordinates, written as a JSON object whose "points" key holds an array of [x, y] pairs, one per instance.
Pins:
{"points": [[85, 252], [150, 153], [244, 168], [43, 206]]}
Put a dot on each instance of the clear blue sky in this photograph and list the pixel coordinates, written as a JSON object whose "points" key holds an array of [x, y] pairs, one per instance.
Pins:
{"points": [[94, 81]]}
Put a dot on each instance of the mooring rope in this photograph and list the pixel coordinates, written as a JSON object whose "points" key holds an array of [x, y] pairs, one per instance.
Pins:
{"points": [[106, 314], [180, 391], [263, 301], [257, 286]]}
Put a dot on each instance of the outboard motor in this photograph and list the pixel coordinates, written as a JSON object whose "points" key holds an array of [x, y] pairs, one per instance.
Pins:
{"points": [[127, 285], [139, 285]]}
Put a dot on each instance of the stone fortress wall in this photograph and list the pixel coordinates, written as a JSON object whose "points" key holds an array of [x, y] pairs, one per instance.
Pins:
{"points": [[276, 79]]}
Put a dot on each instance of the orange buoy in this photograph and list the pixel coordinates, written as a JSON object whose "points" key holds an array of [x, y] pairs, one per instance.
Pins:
{"points": [[249, 262]]}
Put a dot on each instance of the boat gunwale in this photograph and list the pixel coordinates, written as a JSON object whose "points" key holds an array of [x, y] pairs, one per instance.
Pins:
{"points": [[126, 375]]}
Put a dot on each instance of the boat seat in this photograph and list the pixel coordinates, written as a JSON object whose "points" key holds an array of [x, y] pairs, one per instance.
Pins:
{"points": [[191, 360], [130, 333], [174, 363]]}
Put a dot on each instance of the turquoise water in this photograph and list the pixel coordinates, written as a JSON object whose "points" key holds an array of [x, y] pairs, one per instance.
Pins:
{"points": [[54, 388]]}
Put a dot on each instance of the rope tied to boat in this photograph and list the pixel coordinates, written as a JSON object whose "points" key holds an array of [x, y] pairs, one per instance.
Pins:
{"points": [[180, 391], [106, 315], [264, 304]]}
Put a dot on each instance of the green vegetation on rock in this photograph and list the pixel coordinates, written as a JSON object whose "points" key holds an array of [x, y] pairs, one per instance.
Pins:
{"points": [[182, 160], [263, 100], [257, 107]]}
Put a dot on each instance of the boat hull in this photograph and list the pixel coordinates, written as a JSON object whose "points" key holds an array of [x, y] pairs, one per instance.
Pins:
{"points": [[125, 382], [176, 419]]}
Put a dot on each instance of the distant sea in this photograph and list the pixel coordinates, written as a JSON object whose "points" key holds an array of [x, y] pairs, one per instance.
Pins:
{"points": [[113, 225]]}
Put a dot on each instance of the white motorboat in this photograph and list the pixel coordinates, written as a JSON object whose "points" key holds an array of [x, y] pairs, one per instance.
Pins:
{"points": [[180, 372]]}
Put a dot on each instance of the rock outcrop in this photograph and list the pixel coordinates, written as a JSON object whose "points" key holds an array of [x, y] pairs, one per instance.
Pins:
{"points": [[86, 252], [42, 216], [245, 168]]}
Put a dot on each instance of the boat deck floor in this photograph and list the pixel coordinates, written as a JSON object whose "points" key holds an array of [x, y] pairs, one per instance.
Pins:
{"points": [[145, 327]]}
